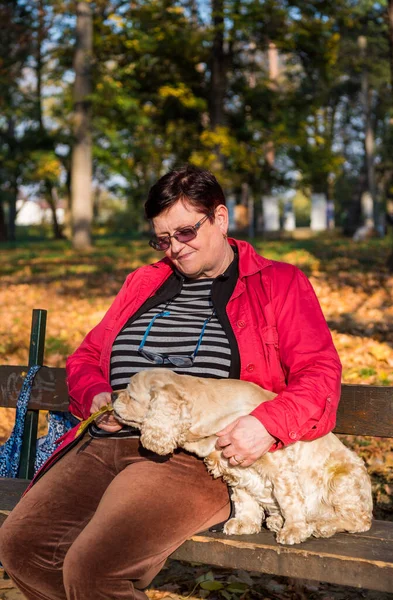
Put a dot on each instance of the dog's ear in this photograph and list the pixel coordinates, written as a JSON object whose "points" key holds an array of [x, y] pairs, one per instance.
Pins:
{"points": [[167, 420]]}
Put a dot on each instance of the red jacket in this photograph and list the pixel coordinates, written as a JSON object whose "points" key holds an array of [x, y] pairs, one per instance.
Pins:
{"points": [[283, 339]]}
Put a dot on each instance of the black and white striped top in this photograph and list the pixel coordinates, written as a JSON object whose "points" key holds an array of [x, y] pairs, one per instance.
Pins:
{"points": [[176, 334]]}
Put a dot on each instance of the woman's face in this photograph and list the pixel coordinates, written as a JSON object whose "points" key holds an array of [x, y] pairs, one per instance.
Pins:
{"points": [[207, 255]]}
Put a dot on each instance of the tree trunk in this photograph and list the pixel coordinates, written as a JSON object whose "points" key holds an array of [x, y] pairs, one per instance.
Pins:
{"points": [[40, 39], [97, 202], [369, 142], [270, 151], [272, 53], [3, 224], [390, 30], [13, 183], [12, 211], [53, 200], [81, 167], [218, 83], [67, 229]]}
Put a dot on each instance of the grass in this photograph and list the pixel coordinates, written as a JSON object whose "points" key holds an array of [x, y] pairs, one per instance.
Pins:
{"points": [[327, 253]]}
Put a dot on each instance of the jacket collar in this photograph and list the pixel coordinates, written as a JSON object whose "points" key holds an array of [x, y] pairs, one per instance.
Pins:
{"points": [[250, 262]]}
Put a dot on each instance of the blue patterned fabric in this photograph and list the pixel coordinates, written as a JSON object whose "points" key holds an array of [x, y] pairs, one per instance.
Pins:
{"points": [[10, 451], [58, 424]]}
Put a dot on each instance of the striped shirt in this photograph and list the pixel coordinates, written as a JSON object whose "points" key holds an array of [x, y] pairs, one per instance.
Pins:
{"points": [[174, 334]]}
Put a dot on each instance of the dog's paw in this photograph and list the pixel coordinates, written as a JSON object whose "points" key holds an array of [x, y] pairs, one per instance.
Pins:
{"points": [[294, 534], [274, 522], [360, 528], [241, 527], [328, 528], [324, 529]]}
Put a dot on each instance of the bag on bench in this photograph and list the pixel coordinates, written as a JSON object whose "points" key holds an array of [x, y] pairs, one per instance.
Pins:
{"points": [[58, 424]]}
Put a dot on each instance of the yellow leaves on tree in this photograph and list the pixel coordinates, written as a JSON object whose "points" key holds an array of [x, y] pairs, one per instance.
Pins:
{"points": [[183, 94], [47, 166]]}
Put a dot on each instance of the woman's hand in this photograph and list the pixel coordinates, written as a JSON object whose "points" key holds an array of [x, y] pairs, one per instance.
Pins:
{"points": [[106, 421], [244, 441]]}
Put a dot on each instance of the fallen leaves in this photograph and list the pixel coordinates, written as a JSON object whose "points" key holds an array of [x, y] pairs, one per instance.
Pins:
{"points": [[356, 296]]}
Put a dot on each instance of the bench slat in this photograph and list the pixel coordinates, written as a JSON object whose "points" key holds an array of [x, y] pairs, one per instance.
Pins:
{"points": [[345, 559], [10, 491], [365, 410], [49, 389]]}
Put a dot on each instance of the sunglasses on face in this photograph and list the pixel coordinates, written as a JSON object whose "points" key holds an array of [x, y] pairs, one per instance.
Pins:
{"points": [[183, 235]]}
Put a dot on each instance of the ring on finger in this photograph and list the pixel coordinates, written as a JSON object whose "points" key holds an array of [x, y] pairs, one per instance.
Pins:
{"points": [[239, 460]]}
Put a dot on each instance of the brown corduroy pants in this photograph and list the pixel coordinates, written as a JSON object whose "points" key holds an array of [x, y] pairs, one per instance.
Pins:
{"points": [[102, 521]]}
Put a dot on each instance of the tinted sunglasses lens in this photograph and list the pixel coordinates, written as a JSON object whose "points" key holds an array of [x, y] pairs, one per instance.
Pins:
{"points": [[156, 358], [181, 361], [185, 235], [160, 244]]}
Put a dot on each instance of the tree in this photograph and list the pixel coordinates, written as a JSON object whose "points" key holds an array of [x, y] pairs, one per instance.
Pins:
{"points": [[150, 93], [390, 36], [174, 82], [219, 60], [15, 49], [81, 169], [45, 167]]}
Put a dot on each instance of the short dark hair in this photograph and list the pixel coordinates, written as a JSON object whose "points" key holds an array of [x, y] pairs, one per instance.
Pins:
{"points": [[198, 186]]}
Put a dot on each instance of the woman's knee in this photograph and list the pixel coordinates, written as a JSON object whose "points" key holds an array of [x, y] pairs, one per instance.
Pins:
{"points": [[14, 545], [25, 541], [85, 575]]}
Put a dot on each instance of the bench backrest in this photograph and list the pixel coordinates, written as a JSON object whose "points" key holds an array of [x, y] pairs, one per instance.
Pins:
{"points": [[363, 409]]}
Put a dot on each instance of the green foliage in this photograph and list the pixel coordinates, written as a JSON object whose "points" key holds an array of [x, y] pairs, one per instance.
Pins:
{"points": [[54, 345], [16, 105], [230, 590], [367, 372], [153, 89]]}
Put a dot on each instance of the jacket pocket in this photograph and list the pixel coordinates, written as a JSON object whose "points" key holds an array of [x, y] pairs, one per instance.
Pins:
{"points": [[272, 350]]}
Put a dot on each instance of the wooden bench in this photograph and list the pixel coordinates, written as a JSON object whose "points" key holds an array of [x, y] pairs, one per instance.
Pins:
{"points": [[360, 560]]}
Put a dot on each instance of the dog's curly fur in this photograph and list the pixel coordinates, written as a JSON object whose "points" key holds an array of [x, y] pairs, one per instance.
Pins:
{"points": [[309, 488]]}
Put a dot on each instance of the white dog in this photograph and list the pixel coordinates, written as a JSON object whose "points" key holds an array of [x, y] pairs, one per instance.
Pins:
{"points": [[309, 488]]}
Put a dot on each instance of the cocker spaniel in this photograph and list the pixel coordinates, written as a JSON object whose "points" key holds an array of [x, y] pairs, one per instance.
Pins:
{"points": [[317, 487]]}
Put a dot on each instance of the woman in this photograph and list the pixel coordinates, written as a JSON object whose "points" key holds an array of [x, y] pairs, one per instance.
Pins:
{"points": [[104, 517]]}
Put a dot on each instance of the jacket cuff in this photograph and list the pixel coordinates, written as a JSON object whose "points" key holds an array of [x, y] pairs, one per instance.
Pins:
{"points": [[273, 424]]}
